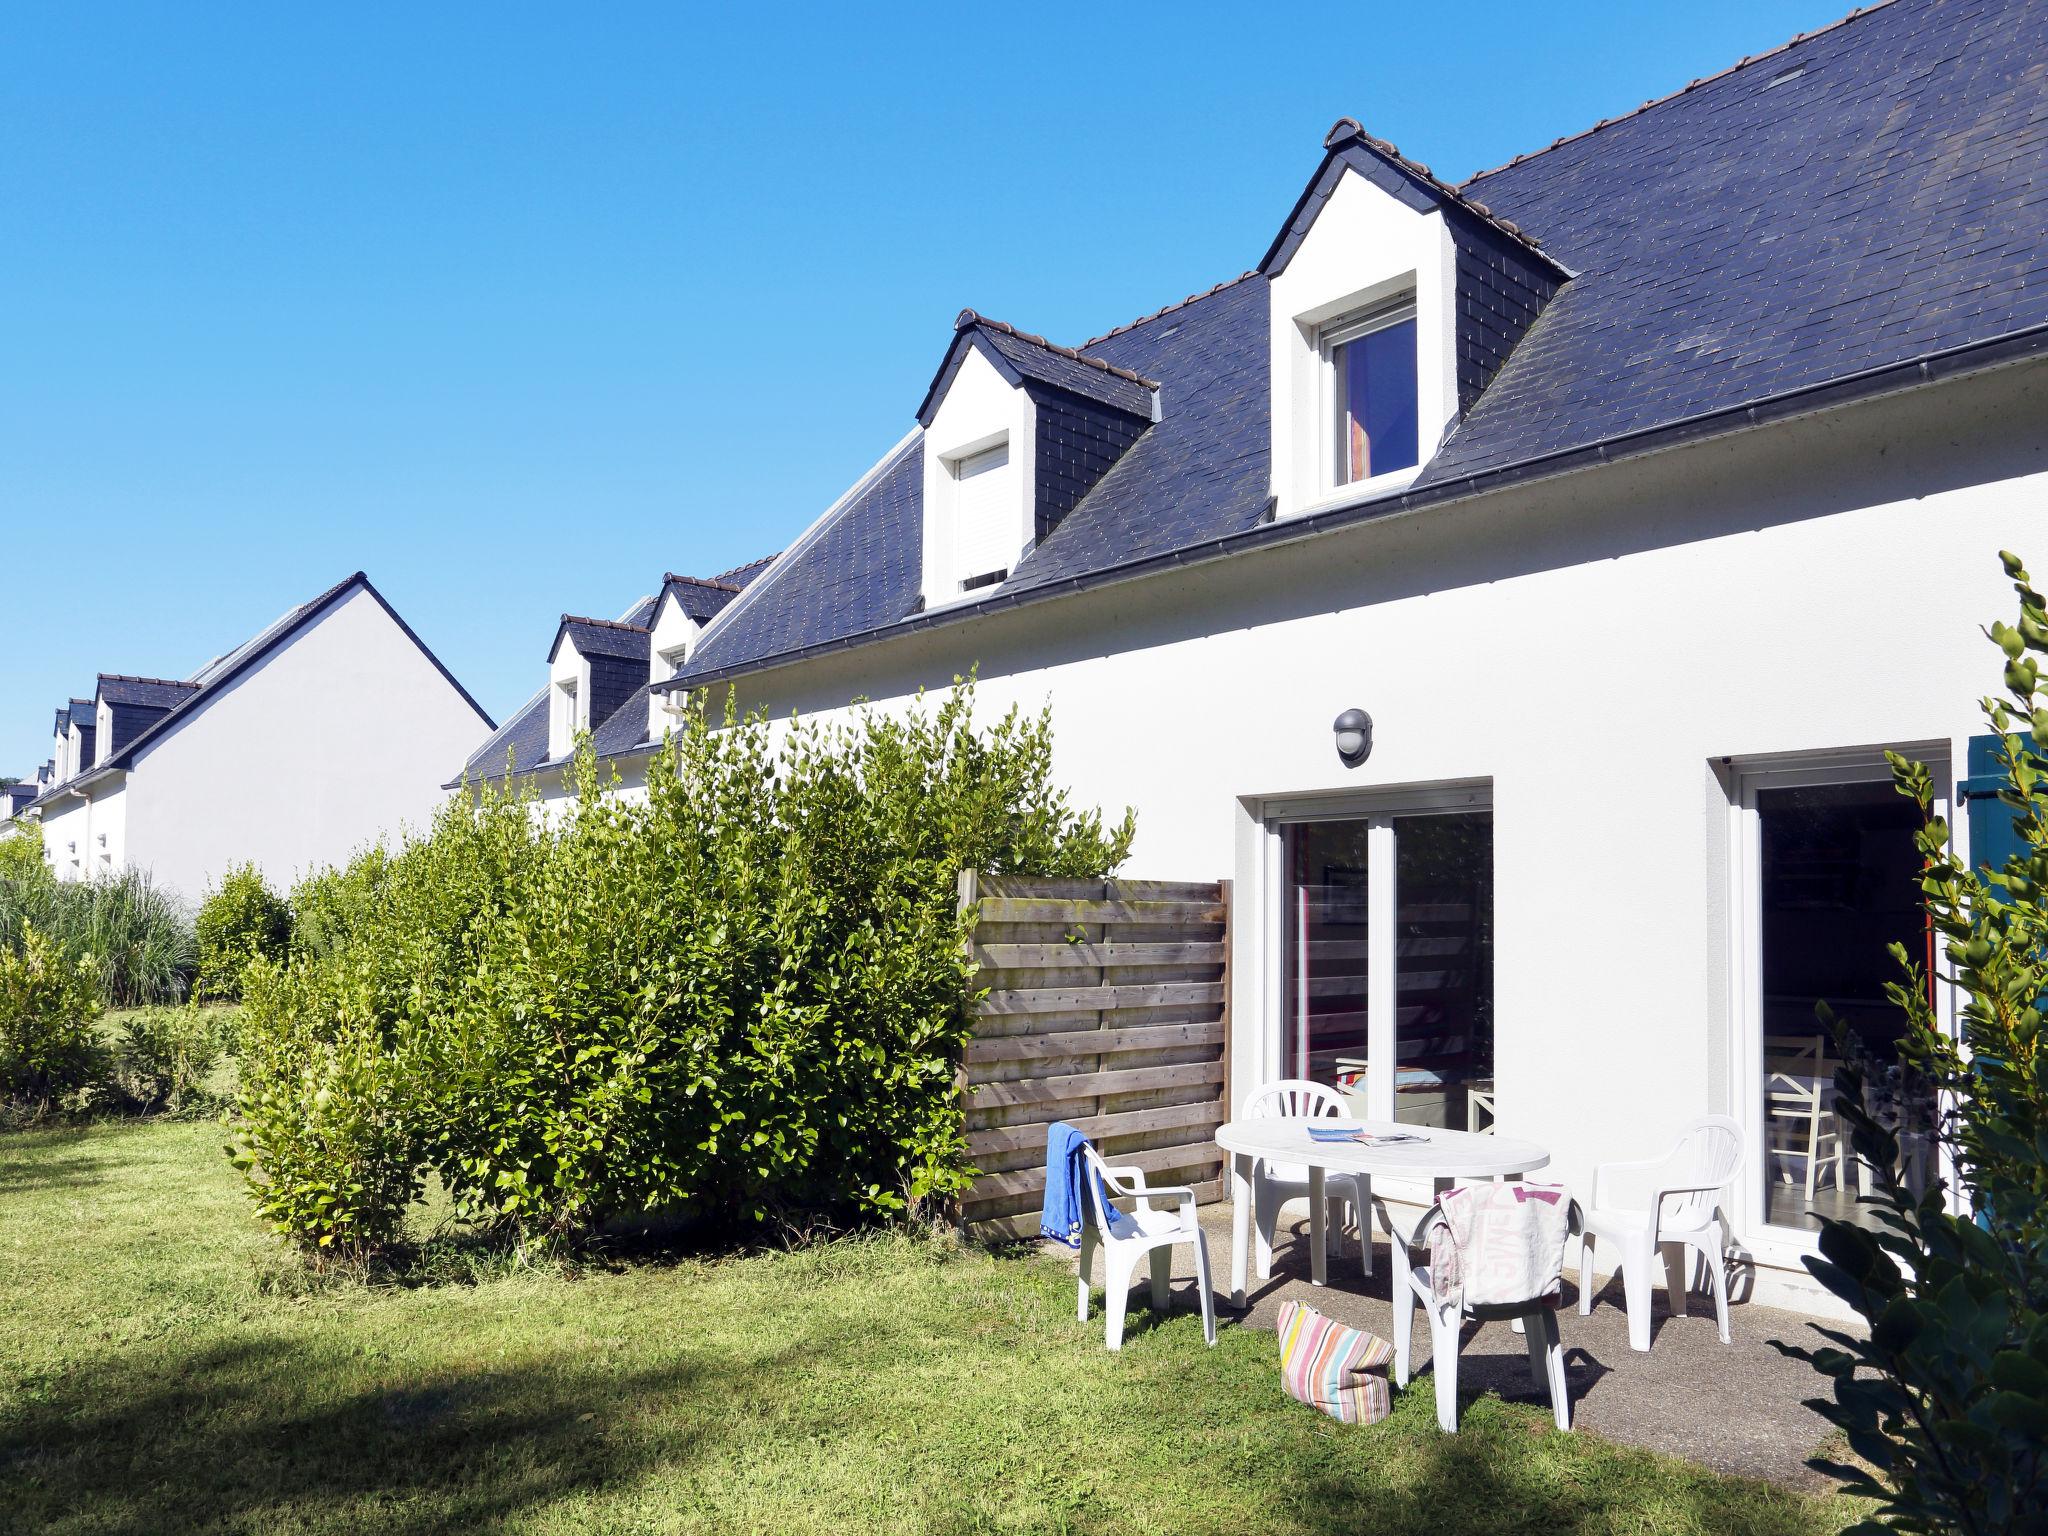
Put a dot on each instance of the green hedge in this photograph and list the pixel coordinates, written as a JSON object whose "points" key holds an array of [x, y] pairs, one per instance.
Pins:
{"points": [[742, 994], [239, 920]]}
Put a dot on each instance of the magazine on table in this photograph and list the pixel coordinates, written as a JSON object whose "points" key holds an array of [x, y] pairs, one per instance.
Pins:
{"points": [[1358, 1135]]}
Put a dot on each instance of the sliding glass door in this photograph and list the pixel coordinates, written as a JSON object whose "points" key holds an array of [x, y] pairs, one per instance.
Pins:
{"points": [[1829, 874], [1387, 964]]}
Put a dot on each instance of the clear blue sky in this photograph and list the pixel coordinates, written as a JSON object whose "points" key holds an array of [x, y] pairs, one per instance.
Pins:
{"points": [[516, 307]]}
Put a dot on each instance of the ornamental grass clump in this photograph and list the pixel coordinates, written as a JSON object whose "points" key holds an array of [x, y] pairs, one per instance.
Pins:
{"points": [[740, 996]]}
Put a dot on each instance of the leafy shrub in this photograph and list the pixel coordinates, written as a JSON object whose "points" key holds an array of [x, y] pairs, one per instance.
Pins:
{"points": [[1947, 1395], [329, 1140], [238, 921], [47, 1007], [163, 1056], [21, 854], [743, 994]]}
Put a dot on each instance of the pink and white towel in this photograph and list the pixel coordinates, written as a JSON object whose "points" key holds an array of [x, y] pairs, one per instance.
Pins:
{"points": [[1499, 1244]]}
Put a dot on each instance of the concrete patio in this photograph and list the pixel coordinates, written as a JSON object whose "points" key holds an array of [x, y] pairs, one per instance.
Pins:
{"points": [[1737, 1408]]}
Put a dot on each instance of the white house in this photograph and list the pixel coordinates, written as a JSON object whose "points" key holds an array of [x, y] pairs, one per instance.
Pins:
{"points": [[1641, 491], [601, 677], [326, 731]]}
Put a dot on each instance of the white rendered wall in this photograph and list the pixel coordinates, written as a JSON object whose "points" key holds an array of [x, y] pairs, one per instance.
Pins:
{"points": [[67, 840], [335, 740], [1592, 650]]}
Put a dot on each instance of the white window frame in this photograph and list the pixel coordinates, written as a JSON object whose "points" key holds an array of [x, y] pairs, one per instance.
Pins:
{"points": [[1329, 337], [957, 466], [1379, 809], [675, 657], [1780, 1246], [566, 699]]}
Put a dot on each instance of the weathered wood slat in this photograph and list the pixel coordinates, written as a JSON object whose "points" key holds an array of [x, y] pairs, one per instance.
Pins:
{"points": [[1042, 888], [1020, 909], [1030, 957], [1090, 1042], [1158, 994], [1093, 1085], [1199, 1117], [1023, 1181]]}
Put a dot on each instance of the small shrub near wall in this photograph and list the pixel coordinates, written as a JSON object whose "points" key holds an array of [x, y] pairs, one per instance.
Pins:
{"points": [[742, 995], [48, 1004], [161, 1057], [238, 922]]}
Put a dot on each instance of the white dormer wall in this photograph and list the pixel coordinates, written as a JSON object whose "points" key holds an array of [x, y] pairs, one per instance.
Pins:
{"points": [[568, 698], [103, 721], [60, 755], [1365, 248], [980, 411], [672, 640], [78, 762]]}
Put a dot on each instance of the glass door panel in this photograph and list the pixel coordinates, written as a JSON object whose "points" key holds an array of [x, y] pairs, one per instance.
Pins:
{"points": [[1415, 893], [1444, 970], [1327, 928], [1839, 882]]}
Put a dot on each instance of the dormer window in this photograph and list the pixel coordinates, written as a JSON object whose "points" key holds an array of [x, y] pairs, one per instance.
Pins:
{"points": [[1394, 300], [672, 660], [985, 510], [1369, 386]]}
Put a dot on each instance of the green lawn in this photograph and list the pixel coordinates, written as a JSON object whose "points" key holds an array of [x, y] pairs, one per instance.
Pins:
{"points": [[160, 1372]]}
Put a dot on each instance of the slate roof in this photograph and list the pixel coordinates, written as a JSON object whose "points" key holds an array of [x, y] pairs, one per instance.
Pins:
{"points": [[1865, 208], [523, 739], [699, 597], [145, 692], [63, 719], [1019, 355], [81, 712], [525, 736], [1868, 195], [602, 637]]}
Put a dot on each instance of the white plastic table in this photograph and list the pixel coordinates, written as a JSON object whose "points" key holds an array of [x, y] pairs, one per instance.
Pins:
{"points": [[1442, 1157]]}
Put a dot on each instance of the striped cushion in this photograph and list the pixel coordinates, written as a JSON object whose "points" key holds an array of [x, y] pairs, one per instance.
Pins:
{"points": [[1337, 1369]]}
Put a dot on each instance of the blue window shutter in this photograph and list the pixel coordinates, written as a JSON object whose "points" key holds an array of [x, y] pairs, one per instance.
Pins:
{"points": [[1994, 835]]}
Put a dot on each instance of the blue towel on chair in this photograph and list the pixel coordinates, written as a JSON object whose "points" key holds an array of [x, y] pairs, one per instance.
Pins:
{"points": [[1066, 1201]]}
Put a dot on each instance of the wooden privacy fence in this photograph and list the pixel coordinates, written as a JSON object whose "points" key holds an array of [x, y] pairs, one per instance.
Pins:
{"points": [[1108, 1006]]}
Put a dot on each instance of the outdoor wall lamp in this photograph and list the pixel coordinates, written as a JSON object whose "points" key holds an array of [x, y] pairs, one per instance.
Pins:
{"points": [[1354, 737]]}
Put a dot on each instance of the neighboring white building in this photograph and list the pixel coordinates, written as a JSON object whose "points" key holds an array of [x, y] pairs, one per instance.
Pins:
{"points": [[1642, 491], [600, 676], [327, 731]]}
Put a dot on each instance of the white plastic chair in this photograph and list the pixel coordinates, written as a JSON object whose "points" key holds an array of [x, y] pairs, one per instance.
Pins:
{"points": [[1680, 1211], [1537, 1318], [1274, 1184], [1127, 1236]]}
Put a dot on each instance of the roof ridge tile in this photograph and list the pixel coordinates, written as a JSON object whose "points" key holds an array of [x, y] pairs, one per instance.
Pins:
{"points": [[1346, 129], [968, 317], [1669, 96], [1167, 309]]}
